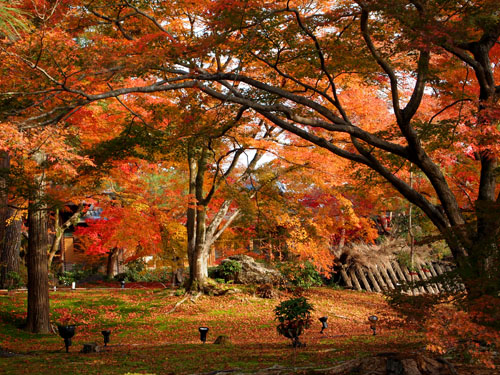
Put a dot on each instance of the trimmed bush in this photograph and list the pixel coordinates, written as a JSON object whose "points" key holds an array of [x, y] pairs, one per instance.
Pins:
{"points": [[301, 275]]}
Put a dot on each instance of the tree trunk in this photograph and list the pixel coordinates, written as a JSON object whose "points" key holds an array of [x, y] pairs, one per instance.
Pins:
{"points": [[201, 234], [38, 240], [60, 229], [111, 264], [10, 229], [38, 280], [10, 246]]}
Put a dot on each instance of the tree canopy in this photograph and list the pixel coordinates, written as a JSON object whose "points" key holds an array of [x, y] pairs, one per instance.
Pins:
{"points": [[386, 89]]}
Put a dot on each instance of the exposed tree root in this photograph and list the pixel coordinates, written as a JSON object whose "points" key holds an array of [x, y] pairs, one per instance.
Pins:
{"points": [[192, 296], [381, 364]]}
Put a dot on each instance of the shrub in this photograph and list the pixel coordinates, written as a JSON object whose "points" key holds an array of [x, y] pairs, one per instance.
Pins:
{"points": [[77, 274], [294, 315], [266, 291], [228, 269], [470, 332], [301, 275], [213, 272], [14, 280], [137, 271]]}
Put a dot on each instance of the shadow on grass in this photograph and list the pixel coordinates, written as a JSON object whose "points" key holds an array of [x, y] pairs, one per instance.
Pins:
{"points": [[164, 358]]}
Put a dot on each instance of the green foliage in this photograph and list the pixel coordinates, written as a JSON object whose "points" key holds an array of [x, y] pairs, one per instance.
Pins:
{"points": [[293, 309], [75, 275], [228, 269], [213, 272], [12, 20], [15, 280], [137, 271], [301, 275], [294, 315], [180, 292]]}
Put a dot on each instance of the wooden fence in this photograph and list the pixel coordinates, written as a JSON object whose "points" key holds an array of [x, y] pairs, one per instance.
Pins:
{"points": [[423, 277]]}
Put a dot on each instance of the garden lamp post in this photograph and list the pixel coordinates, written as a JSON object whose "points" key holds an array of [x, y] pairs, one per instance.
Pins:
{"points": [[122, 283], [373, 323], [203, 333], [66, 332], [324, 325], [106, 333]]}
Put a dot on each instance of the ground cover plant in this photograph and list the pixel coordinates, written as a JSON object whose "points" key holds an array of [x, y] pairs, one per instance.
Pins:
{"points": [[147, 339]]}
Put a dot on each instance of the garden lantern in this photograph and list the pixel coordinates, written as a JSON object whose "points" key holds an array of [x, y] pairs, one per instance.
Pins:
{"points": [[106, 333], [66, 332], [122, 283], [203, 333], [324, 325], [373, 323]]}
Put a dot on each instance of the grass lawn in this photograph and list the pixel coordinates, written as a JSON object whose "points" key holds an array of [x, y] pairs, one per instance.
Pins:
{"points": [[146, 339]]}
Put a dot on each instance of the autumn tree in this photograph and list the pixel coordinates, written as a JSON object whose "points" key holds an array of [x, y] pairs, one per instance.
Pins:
{"points": [[297, 64], [11, 20]]}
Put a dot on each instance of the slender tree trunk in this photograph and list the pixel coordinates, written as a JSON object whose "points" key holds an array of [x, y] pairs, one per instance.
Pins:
{"points": [[201, 234], [198, 264], [192, 219], [60, 229], [38, 280], [111, 264]]}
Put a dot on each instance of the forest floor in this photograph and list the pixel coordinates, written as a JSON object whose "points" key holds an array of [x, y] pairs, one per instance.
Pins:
{"points": [[147, 339]]}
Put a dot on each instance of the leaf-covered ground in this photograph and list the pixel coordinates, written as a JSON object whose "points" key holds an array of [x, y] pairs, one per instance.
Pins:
{"points": [[146, 339]]}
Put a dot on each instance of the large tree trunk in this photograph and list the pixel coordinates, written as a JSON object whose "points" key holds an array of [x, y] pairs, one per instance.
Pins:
{"points": [[10, 245], [201, 233], [38, 280], [10, 229], [38, 242]]}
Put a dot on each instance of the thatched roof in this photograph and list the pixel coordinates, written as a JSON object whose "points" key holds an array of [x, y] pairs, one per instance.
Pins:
{"points": [[389, 250]]}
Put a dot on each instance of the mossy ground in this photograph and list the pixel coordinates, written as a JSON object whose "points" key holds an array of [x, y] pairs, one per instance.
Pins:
{"points": [[146, 339]]}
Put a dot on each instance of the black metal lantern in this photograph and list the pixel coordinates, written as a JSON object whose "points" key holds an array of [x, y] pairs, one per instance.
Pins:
{"points": [[203, 333], [324, 325], [122, 283], [66, 332], [106, 333], [373, 323]]}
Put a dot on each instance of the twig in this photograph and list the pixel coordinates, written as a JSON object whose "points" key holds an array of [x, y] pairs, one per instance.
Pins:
{"points": [[178, 304], [450, 366], [192, 298]]}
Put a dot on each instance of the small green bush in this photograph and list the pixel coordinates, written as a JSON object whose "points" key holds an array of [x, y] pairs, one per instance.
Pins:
{"points": [[213, 272], [301, 275], [77, 274], [15, 280], [293, 309], [293, 315], [137, 271], [228, 269], [180, 292]]}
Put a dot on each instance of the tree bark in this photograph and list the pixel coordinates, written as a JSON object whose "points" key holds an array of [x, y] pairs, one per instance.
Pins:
{"points": [[10, 229], [59, 231], [10, 246], [38, 240], [111, 264], [38, 280]]}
